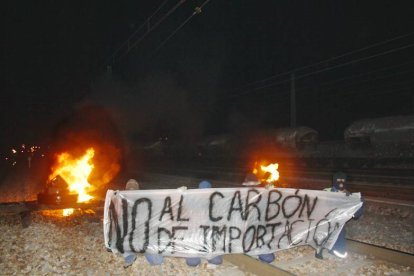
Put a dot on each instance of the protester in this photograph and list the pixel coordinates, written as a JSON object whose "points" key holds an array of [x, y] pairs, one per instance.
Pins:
{"points": [[130, 257], [338, 185], [157, 259], [252, 180], [195, 261]]}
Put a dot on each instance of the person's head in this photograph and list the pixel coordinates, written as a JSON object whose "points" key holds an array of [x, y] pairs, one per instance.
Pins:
{"points": [[339, 180], [132, 184], [204, 184]]}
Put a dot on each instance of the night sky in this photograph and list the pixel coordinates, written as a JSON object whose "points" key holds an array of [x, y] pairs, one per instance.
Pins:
{"points": [[227, 69]]}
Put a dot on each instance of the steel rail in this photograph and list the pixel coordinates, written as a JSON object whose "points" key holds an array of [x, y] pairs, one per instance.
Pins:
{"points": [[386, 254], [253, 265]]}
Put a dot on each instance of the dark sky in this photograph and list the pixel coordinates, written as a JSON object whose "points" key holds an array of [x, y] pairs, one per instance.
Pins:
{"points": [[206, 78]]}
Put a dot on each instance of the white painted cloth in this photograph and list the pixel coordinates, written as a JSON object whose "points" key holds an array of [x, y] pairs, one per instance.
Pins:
{"points": [[211, 222]]}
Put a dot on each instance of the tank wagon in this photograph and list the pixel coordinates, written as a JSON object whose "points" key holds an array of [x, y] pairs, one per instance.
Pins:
{"points": [[368, 142]]}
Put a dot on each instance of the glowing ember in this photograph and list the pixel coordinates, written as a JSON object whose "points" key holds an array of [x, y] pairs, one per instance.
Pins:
{"points": [[268, 174], [67, 212], [75, 171], [89, 212]]}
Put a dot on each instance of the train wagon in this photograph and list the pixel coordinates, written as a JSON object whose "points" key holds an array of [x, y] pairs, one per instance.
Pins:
{"points": [[379, 131]]}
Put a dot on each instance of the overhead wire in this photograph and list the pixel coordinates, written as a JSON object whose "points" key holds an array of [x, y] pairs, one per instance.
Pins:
{"points": [[196, 11], [354, 85], [150, 29], [401, 91], [356, 92], [366, 73], [145, 23], [324, 70], [180, 2], [357, 60], [369, 80], [354, 88], [330, 59]]}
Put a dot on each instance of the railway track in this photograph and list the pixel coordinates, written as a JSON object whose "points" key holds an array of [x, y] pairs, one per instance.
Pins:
{"points": [[25, 209], [33, 206], [367, 184], [363, 259], [371, 185], [379, 176]]}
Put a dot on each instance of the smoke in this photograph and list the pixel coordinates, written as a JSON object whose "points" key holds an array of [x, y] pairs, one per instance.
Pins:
{"points": [[157, 106]]}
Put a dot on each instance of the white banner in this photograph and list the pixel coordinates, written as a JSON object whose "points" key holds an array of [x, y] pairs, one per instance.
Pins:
{"points": [[211, 222]]}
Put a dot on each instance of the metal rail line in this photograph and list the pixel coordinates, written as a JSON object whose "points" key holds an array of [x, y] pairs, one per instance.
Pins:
{"points": [[368, 186], [387, 176], [372, 255]]}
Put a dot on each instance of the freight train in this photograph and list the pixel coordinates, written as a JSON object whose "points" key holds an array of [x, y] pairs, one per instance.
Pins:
{"points": [[380, 142]]}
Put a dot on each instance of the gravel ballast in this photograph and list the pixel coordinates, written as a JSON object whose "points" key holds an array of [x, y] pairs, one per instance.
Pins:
{"points": [[55, 245]]}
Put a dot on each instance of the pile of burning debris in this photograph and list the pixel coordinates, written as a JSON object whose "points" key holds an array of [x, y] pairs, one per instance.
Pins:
{"points": [[57, 192], [68, 182], [262, 175]]}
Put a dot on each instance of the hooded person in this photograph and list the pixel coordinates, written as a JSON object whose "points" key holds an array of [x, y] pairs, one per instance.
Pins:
{"points": [[339, 180], [195, 261], [252, 180], [338, 183], [129, 258]]}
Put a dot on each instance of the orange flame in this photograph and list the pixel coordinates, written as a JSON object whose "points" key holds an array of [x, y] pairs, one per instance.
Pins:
{"points": [[268, 174], [272, 169], [75, 171], [67, 212]]}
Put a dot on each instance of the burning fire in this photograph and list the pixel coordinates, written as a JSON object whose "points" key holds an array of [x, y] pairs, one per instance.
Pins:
{"points": [[68, 212], [75, 171], [268, 174]]}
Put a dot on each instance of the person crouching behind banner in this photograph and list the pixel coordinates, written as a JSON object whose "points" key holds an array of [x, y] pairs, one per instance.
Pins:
{"points": [[338, 186], [252, 180], [196, 260], [129, 258]]}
